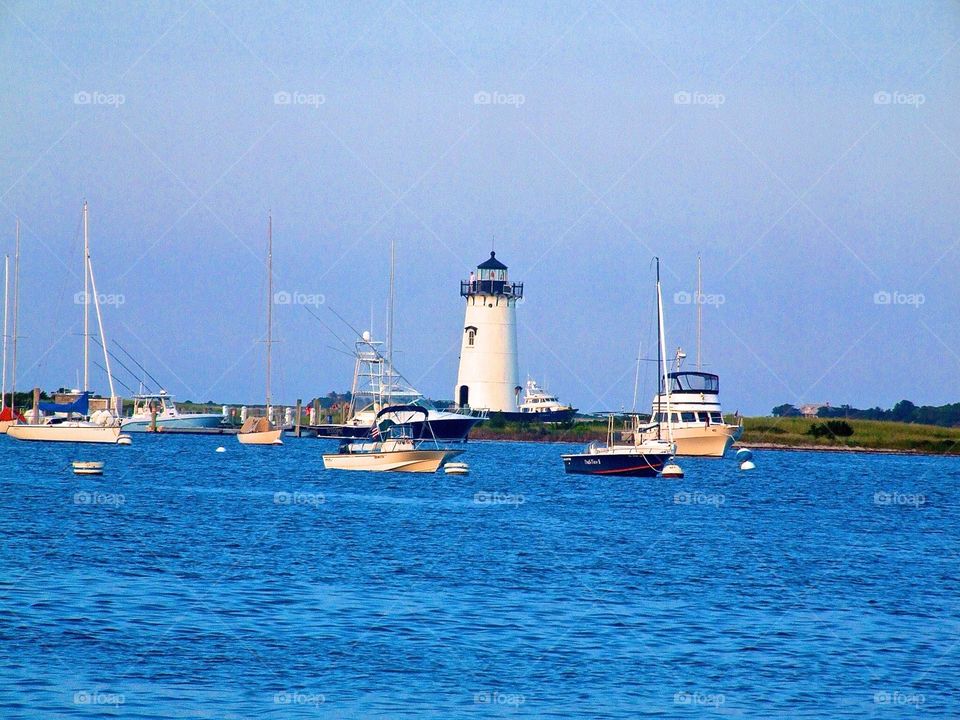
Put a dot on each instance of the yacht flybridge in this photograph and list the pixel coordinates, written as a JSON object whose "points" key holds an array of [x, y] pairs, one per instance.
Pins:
{"points": [[695, 414], [72, 421]]}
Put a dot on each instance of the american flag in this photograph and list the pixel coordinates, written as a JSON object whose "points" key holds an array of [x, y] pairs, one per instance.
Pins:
{"points": [[375, 432]]}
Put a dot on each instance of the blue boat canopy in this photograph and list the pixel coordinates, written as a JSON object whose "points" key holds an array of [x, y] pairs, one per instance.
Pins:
{"points": [[81, 406]]}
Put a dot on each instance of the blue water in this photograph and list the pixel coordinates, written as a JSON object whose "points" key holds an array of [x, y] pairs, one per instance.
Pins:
{"points": [[253, 583]]}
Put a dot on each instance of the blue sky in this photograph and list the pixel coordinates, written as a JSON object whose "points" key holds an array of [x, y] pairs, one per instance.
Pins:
{"points": [[809, 151]]}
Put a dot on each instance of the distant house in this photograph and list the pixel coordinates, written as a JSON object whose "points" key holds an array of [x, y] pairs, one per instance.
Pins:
{"points": [[811, 409]]}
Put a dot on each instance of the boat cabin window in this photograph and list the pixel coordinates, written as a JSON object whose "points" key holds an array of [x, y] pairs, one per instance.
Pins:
{"points": [[688, 417], [694, 382], [716, 418]]}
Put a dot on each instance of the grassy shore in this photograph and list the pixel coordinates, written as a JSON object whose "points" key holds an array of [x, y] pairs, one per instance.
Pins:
{"points": [[764, 432]]}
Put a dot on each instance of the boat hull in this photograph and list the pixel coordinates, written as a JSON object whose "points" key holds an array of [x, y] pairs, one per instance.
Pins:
{"points": [[267, 437], [704, 441], [178, 423], [445, 430], [551, 416], [619, 464], [65, 432], [426, 461]]}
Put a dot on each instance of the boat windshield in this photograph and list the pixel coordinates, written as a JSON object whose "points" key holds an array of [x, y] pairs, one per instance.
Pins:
{"points": [[694, 382]]}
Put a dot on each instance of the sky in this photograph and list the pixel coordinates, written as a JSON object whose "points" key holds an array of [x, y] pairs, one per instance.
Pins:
{"points": [[808, 151]]}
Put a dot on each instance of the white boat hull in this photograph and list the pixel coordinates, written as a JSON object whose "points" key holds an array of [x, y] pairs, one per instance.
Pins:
{"points": [[5, 425], [704, 441], [267, 437], [65, 432], [427, 461]]}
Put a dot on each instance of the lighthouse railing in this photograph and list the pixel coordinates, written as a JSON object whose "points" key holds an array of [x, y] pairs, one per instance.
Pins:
{"points": [[491, 287]]}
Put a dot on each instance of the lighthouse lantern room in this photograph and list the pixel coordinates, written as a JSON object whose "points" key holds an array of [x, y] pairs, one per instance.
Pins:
{"points": [[488, 378]]}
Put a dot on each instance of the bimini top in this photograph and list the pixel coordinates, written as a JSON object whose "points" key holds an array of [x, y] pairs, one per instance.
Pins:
{"points": [[491, 263], [694, 382]]}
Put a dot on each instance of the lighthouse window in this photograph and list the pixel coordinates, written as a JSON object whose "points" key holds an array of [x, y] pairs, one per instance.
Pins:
{"points": [[471, 337]]}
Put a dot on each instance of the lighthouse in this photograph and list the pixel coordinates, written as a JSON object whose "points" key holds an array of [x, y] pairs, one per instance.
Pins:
{"points": [[488, 378]]}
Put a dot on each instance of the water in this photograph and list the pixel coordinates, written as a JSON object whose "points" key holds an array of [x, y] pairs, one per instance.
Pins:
{"points": [[253, 583]]}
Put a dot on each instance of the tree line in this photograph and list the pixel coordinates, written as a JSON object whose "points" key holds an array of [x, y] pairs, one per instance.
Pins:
{"points": [[904, 411]]}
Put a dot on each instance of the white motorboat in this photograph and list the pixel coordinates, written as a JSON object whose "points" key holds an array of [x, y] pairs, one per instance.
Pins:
{"points": [[391, 449], [158, 411], [262, 430], [102, 426], [696, 416], [698, 425]]}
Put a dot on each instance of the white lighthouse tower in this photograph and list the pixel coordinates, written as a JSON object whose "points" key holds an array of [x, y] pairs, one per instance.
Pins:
{"points": [[488, 378]]}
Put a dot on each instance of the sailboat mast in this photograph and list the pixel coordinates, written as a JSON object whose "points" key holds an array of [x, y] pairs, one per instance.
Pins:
{"points": [[661, 342], [86, 302], [16, 313], [103, 339], [699, 300], [6, 298], [269, 304], [393, 259]]}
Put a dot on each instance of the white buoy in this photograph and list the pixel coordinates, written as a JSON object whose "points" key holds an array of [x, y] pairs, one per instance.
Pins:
{"points": [[221, 449], [747, 465], [744, 454], [124, 440], [81, 467], [672, 470], [457, 468]]}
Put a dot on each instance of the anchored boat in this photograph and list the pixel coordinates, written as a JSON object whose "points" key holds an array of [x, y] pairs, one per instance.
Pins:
{"points": [[158, 411], [392, 447], [638, 452], [72, 422], [262, 430]]}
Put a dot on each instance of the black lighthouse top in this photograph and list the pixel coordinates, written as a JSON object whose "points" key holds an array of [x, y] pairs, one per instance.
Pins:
{"points": [[490, 279]]}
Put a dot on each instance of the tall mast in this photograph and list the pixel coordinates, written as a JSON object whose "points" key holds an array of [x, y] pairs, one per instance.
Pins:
{"points": [[6, 298], [86, 302], [699, 300], [661, 343], [16, 313], [269, 303], [103, 338], [393, 259]]}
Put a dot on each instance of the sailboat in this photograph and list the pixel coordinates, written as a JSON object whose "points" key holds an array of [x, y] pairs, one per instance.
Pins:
{"points": [[635, 453], [8, 412], [102, 426], [262, 430], [696, 417]]}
